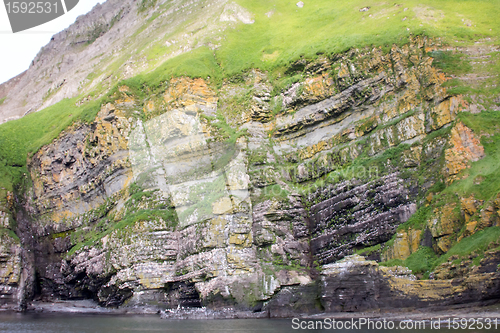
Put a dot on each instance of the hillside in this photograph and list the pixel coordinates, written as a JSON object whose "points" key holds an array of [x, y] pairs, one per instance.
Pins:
{"points": [[248, 154]]}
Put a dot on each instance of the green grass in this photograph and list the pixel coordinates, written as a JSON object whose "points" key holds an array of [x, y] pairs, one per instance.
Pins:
{"points": [[21, 138], [2, 100], [275, 191], [200, 62], [487, 122], [417, 220], [369, 250], [483, 177], [420, 262], [321, 27], [138, 194], [332, 27], [458, 64], [477, 243], [451, 63], [85, 237]]}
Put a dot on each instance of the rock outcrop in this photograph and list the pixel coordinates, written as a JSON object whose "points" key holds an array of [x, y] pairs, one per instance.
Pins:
{"points": [[10, 271], [169, 199], [354, 284], [358, 216]]}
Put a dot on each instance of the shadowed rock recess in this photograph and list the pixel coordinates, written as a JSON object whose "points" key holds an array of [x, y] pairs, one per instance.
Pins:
{"points": [[352, 187]]}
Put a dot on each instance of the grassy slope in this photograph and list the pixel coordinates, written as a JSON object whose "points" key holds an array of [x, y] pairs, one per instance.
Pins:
{"points": [[335, 26], [487, 170], [482, 181], [271, 43], [20, 138], [424, 261]]}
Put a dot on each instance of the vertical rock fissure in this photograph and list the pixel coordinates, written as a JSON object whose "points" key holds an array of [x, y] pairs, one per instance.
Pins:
{"points": [[28, 256]]}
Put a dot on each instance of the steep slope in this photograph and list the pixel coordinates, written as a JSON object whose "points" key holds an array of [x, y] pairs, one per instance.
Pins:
{"points": [[116, 40], [252, 181]]}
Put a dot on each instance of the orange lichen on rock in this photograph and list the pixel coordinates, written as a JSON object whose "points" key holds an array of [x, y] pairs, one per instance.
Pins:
{"points": [[311, 151], [319, 88], [183, 92], [468, 207], [490, 216], [446, 111], [406, 243], [149, 107], [444, 227], [465, 148]]}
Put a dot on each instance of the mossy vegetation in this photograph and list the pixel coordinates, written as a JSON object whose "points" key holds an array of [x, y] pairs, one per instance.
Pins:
{"points": [[235, 105], [418, 220], [451, 63], [483, 177], [4, 232], [271, 192], [257, 157], [200, 62], [281, 35], [284, 30], [280, 263], [146, 4], [458, 65], [227, 133], [368, 250], [89, 237], [21, 138], [477, 243], [420, 262]]}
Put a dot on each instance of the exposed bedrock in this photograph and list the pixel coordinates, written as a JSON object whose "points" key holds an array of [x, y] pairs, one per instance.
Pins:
{"points": [[357, 216], [355, 284], [186, 198]]}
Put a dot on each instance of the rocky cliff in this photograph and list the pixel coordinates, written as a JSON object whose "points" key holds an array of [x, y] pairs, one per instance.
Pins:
{"points": [[262, 193]]}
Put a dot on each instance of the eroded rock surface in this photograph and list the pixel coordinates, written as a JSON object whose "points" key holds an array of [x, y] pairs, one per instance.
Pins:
{"points": [[355, 284], [174, 199]]}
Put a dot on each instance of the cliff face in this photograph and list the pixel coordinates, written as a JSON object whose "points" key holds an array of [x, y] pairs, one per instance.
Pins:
{"points": [[354, 284], [188, 194]]}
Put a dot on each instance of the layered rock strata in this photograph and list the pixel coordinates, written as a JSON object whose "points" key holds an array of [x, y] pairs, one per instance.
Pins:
{"points": [[169, 200]]}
